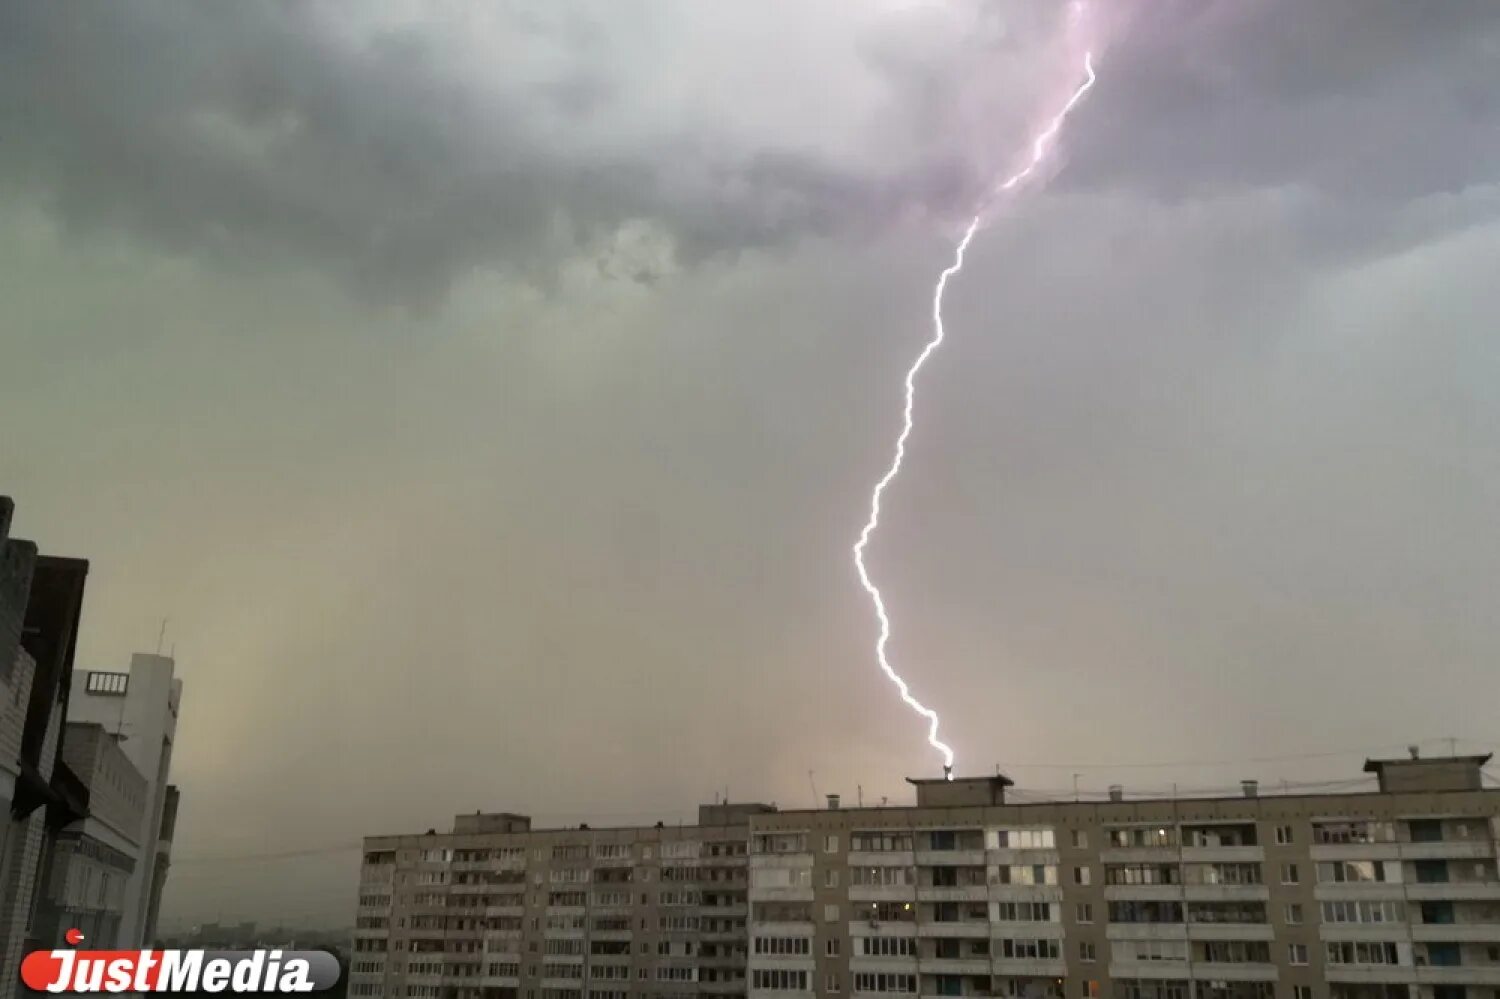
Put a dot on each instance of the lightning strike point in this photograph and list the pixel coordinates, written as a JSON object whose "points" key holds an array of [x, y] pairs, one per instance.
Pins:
{"points": [[1040, 147]]}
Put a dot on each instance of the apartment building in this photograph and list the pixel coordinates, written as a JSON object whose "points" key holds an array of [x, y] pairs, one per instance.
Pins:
{"points": [[1385, 894], [139, 709], [41, 600], [1376, 895], [497, 908], [95, 855]]}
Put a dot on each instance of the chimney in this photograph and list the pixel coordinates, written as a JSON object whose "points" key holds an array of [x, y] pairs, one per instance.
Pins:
{"points": [[1415, 751], [1250, 787], [833, 802], [1116, 793]]}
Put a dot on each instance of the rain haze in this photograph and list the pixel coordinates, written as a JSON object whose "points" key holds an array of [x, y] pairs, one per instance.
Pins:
{"points": [[488, 397]]}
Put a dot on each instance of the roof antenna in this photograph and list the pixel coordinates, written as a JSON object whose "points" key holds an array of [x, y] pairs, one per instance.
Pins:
{"points": [[161, 636], [814, 786]]}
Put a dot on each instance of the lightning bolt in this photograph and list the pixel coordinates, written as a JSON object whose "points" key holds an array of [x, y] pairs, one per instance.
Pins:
{"points": [[1039, 149]]}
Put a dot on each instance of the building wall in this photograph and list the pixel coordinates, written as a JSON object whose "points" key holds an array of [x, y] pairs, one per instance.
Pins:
{"points": [[960, 917], [118, 793], [559, 914], [146, 716], [95, 858], [25, 842]]}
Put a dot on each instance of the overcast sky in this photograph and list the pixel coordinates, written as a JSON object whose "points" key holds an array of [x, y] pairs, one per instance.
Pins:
{"points": [[489, 393]]}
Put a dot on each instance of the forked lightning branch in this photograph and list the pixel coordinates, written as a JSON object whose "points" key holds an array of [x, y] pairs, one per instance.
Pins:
{"points": [[1040, 148]]}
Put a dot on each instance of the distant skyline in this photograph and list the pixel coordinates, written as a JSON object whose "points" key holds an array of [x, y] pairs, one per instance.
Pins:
{"points": [[489, 397]]}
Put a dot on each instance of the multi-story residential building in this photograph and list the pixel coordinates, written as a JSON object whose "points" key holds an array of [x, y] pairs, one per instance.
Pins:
{"points": [[1319, 896], [1372, 895], [44, 596], [497, 908], [95, 856], [139, 708]]}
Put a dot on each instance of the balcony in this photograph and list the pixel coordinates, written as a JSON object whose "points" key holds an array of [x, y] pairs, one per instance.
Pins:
{"points": [[1143, 893], [954, 965], [1464, 974], [786, 929], [1482, 890], [1394, 974], [1007, 856], [1230, 931], [897, 965], [1039, 930], [1226, 893], [1454, 849], [1362, 891], [1237, 972], [1145, 931], [1223, 854], [875, 928], [1139, 855], [1027, 893], [1170, 970], [959, 893], [1456, 932], [882, 893], [1034, 967], [893, 858], [1337, 932], [1354, 851], [950, 858], [964, 929], [500, 981]]}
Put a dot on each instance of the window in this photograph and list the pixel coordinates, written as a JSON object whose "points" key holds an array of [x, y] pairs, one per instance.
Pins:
{"points": [[781, 877], [883, 877], [777, 979], [782, 946], [111, 684], [1297, 953], [1366, 912], [1363, 953], [831, 878], [1024, 839], [885, 947], [1354, 832], [1352, 870], [832, 947], [1301, 992], [1080, 839], [831, 984], [1294, 914], [1149, 950], [870, 981], [830, 913], [1085, 912], [1283, 835], [1046, 949], [1086, 951], [879, 842], [1081, 875], [1142, 836], [1289, 874], [1090, 989], [831, 843]]}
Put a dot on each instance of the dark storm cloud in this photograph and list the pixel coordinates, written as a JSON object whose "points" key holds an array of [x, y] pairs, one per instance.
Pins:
{"points": [[1371, 99], [241, 130], [249, 131]]}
